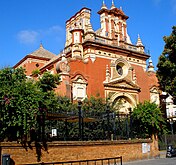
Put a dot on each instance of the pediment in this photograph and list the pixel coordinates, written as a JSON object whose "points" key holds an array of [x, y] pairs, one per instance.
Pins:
{"points": [[122, 84], [154, 89], [79, 79]]}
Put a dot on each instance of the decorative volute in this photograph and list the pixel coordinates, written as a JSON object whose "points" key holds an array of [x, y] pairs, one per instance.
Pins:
{"points": [[62, 66], [89, 28]]}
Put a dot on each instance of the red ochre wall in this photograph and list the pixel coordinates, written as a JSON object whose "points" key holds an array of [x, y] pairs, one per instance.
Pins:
{"points": [[94, 72], [83, 150], [31, 66], [143, 82]]}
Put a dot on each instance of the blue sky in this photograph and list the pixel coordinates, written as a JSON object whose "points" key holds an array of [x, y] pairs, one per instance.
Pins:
{"points": [[24, 24]]}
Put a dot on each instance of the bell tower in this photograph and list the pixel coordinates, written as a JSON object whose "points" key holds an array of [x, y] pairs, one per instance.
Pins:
{"points": [[104, 20], [113, 23]]}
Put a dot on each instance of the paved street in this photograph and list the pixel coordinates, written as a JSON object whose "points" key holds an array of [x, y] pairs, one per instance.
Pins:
{"points": [[159, 161]]}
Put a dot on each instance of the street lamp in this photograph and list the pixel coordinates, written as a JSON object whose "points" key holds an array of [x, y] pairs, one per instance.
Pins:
{"points": [[80, 115], [108, 119], [171, 123], [130, 131]]}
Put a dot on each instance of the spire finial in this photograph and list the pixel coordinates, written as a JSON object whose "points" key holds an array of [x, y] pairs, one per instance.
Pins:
{"points": [[104, 6], [41, 45], [113, 6], [150, 66], [139, 42]]}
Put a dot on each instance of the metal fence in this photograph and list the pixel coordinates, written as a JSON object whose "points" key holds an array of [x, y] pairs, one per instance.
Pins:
{"points": [[104, 126], [166, 140], [105, 161]]}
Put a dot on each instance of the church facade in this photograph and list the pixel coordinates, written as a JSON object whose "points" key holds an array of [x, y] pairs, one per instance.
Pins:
{"points": [[101, 63]]}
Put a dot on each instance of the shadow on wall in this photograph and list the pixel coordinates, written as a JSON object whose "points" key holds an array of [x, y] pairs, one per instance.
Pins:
{"points": [[39, 146], [12, 162]]}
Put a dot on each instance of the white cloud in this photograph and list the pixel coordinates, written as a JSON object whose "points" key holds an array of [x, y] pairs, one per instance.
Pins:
{"points": [[55, 29], [27, 36], [55, 32]]}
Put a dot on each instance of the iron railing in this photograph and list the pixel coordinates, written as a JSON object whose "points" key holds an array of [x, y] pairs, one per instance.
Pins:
{"points": [[104, 161]]}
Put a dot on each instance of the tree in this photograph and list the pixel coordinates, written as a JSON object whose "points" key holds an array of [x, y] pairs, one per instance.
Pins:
{"points": [[22, 100], [47, 82], [147, 120], [19, 102], [95, 107], [166, 72]]}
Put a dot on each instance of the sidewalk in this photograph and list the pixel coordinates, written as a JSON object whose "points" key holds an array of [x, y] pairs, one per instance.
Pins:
{"points": [[149, 161]]}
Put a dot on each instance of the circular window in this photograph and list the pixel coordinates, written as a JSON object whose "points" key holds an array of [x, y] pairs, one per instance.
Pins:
{"points": [[119, 70]]}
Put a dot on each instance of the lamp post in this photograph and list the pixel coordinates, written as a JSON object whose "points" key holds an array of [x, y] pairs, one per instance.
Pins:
{"points": [[108, 119], [80, 115], [127, 127], [171, 123], [130, 131]]}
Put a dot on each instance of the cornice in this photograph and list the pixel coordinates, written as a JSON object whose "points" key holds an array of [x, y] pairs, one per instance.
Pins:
{"points": [[30, 56], [119, 49]]}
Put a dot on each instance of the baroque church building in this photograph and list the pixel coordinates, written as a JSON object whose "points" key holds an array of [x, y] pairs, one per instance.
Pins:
{"points": [[102, 62]]}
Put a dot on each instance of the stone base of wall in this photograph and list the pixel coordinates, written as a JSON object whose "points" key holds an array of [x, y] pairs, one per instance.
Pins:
{"points": [[81, 150]]}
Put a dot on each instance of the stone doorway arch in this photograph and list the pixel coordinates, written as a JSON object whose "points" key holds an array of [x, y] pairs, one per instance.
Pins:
{"points": [[123, 102]]}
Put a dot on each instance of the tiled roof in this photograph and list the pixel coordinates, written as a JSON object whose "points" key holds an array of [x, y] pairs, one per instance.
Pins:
{"points": [[41, 52]]}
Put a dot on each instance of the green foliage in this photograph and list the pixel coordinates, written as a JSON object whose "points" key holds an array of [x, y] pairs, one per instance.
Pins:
{"points": [[166, 72], [18, 98], [48, 81], [95, 107], [21, 101], [24, 104], [36, 72], [147, 119]]}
